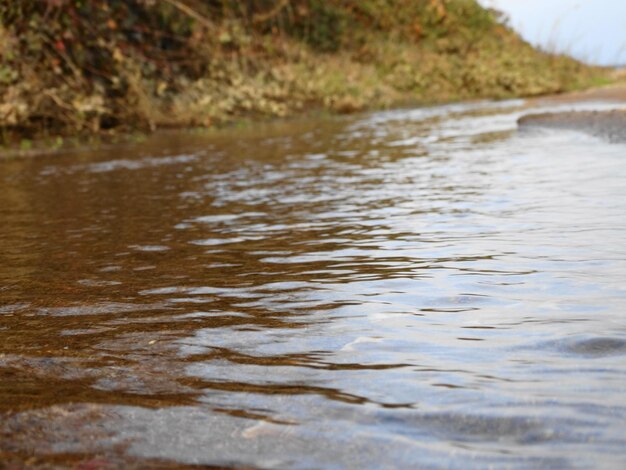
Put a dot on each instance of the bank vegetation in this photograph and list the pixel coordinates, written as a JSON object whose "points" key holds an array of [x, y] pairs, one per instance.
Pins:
{"points": [[76, 67]]}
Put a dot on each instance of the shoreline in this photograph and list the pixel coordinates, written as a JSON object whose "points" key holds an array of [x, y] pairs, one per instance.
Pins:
{"points": [[615, 91], [574, 120]]}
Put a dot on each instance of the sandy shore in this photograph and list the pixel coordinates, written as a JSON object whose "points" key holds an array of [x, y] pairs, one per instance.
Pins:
{"points": [[607, 93], [609, 125]]}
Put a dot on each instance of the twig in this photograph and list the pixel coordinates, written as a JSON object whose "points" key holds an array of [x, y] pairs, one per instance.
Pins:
{"points": [[60, 103], [65, 57], [263, 17], [193, 13]]}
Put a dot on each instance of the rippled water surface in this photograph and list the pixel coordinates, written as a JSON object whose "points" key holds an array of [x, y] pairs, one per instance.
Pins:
{"points": [[416, 288]]}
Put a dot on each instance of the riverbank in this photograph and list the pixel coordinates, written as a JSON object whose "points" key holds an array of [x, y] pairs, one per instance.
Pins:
{"points": [[105, 69]]}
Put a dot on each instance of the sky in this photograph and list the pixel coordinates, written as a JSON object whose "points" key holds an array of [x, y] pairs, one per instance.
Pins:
{"points": [[591, 30]]}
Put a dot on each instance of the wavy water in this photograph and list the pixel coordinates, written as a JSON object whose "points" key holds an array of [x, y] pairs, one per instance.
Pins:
{"points": [[413, 288]]}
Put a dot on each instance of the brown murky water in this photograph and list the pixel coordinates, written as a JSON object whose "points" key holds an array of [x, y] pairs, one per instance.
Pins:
{"points": [[416, 288]]}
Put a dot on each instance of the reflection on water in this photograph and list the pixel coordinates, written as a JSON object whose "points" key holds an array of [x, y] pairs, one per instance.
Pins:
{"points": [[409, 288]]}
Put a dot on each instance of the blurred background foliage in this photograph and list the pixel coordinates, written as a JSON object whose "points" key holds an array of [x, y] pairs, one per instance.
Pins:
{"points": [[84, 66]]}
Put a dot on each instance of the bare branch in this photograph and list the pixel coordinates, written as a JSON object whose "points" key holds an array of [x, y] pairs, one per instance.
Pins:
{"points": [[203, 20]]}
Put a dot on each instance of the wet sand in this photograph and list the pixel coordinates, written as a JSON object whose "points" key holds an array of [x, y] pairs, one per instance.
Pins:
{"points": [[610, 125]]}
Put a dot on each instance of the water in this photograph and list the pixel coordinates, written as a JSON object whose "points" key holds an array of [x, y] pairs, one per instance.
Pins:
{"points": [[416, 288]]}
